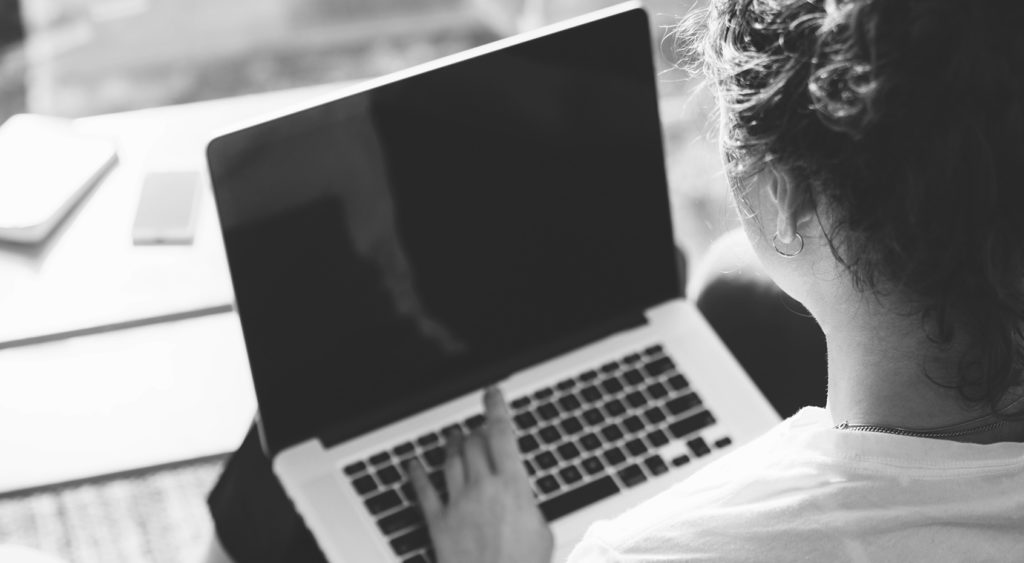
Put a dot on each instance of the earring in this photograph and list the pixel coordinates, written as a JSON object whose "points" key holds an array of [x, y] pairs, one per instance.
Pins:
{"points": [[775, 243]]}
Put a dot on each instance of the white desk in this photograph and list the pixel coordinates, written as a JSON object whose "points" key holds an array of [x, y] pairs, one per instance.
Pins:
{"points": [[89, 274], [162, 391], [108, 402]]}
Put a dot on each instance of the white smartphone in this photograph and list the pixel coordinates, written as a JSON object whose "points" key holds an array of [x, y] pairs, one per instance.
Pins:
{"points": [[46, 167], [168, 206]]}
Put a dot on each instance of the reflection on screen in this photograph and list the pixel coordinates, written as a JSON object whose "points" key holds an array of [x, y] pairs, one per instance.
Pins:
{"points": [[388, 248]]}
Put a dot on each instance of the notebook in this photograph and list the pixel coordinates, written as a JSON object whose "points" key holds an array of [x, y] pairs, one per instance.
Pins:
{"points": [[500, 216]]}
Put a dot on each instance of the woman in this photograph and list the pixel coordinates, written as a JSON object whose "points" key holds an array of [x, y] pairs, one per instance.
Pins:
{"points": [[873, 147]]}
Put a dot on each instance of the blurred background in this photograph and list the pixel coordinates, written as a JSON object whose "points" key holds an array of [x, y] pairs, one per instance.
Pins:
{"points": [[85, 57], [78, 58]]}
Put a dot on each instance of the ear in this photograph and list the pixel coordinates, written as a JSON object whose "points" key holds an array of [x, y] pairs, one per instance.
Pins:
{"points": [[792, 205]]}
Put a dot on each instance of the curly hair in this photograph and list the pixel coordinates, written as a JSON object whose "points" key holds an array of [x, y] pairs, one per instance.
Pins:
{"points": [[906, 119]]}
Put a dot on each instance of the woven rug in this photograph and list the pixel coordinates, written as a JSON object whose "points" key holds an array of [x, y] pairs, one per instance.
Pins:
{"points": [[153, 516]]}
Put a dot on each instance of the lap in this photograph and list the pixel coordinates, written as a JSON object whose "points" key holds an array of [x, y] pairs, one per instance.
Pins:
{"points": [[773, 337]]}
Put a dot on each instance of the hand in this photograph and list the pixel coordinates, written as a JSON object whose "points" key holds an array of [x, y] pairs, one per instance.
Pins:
{"points": [[491, 515]]}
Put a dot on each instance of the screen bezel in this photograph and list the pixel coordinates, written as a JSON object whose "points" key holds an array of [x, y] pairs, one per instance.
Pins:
{"points": [[632, 25]]}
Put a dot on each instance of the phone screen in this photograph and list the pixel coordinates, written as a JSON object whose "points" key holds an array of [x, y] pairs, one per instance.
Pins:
{"points": [[167, 209]]}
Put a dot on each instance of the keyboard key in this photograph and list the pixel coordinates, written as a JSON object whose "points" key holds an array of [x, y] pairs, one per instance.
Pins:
{"points": [[408, 492], [384, 501], [592, 465], [593, 417], [657, 390], [614, 456], [681, 460], [389, 475], [632, 475], [636, 399], [659, 366], [614, 407], [654, 415], [404, 450], [653, 350], [569, 403], [610, 367], [405, 518], [633, 377], [571, 425], [723, 442], [570, 475], [611, 432], [680, 404], [632, 358], [451, 429], [699, 447], [691, 424], [543, 393], [475, 421], [520, 403], [355, 468], [633, 424], [656, 465], [434, 457], [636, 447], [549, 435], [588, 376], [677, 382], [416, 539], [568, 451], [364, 485], [525, 421], [566, 384], [611, 385], [556, 507], [590, 394], [380, 459], [548, 484], [590, 442], [547, 411], [530, 469], [428, 439], [657, 438], [545, 460], [527, 443]]}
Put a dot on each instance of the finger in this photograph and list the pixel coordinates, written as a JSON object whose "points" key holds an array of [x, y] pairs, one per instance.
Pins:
{"points": [[478, 467], [430, 502], [454, 465], [501, 437]]}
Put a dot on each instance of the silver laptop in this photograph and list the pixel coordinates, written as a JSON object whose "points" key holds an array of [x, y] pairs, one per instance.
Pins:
{"points": [[498, 216]]}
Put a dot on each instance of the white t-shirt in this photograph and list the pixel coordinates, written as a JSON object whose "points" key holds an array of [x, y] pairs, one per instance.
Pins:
{"points": [[807, 492]]}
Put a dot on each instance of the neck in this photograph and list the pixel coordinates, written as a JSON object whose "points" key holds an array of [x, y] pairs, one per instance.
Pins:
{"points": [[883, 371]]}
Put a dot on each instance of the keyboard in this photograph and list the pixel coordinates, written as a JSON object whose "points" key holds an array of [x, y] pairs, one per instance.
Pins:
{"points": [[583, 439]]}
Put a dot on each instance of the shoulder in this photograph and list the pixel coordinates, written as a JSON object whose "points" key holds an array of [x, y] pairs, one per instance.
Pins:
{"points": [[798, 491]]}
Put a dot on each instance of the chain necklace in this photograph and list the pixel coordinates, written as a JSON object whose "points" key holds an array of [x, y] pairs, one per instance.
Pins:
{"points": [[919, 433], [943, 432]]}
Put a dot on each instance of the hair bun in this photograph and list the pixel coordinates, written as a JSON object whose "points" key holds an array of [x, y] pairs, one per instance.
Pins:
{"points": [[843, 93], [842, 86]]}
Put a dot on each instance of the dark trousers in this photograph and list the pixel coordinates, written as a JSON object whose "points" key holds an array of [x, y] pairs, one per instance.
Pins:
{"points": [[772, 336]]}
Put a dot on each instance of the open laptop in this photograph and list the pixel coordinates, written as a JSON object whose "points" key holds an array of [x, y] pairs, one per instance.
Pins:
{"points": [[501, 215]]}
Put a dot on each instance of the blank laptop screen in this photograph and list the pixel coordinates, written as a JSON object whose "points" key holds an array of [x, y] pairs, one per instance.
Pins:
{"points": [[406, 244]]}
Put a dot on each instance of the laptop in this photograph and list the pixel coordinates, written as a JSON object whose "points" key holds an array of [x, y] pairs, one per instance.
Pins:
{"points": [[500, 216]]}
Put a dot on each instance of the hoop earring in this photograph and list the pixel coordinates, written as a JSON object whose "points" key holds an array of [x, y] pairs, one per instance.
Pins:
{"points": [[775, 240]]}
